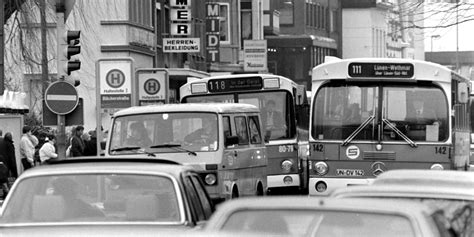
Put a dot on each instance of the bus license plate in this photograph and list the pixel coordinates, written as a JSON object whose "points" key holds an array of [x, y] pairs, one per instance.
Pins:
{"points": [[349, 172]]}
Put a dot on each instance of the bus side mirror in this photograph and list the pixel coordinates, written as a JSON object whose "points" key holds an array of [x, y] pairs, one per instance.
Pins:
{"points": [[463, 94], [231, 140]]}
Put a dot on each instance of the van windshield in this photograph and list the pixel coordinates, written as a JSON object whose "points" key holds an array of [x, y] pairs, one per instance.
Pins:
{"points": [[164, 133]]}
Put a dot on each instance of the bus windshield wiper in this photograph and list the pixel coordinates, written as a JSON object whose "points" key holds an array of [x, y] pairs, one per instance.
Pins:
{"points": [[358, 130], [130, 148], [399, 133], [175, 146]]}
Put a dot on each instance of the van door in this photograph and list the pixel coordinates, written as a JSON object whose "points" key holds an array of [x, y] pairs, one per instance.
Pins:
{"points": [[244, 156]]}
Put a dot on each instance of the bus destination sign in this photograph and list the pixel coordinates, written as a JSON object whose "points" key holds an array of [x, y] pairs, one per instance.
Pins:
{"points": [[381, 70], [234, 84]]}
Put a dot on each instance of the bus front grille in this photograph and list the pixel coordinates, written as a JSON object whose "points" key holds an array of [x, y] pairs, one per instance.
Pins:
{"points": [[377, 155]]}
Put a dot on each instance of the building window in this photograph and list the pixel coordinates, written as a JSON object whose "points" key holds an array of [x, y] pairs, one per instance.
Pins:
{"points": [[141, 12], [286, 12], [332, 20], [224, 23], [246, 21]]}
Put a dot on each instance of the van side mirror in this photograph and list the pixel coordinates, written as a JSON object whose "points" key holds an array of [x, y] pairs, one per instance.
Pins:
{"points": [[102, 145], [231, 140]]}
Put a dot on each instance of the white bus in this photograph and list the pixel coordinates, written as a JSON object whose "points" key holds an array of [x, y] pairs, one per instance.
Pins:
{"points": [[369, 115]]}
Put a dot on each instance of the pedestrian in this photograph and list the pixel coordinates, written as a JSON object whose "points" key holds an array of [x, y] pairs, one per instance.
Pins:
{"points": [[8, 162], [91, 144], [77, 144], [27, 147], [7, 150], [48, 150]]}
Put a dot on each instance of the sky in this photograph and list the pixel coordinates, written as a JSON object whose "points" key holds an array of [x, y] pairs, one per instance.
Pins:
{"points": [[447, 36]]}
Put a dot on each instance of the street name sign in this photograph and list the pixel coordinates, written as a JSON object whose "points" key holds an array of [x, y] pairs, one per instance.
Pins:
{"points": [[61, 97]]}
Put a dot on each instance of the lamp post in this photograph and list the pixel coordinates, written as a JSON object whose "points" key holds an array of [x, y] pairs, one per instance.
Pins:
{"points": [[434, 37]]}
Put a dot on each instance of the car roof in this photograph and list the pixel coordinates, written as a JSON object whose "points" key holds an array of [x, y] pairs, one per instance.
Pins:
{"points": [[106, 164], [191, 107], [325, 203], [405, 191], [460, 179]]}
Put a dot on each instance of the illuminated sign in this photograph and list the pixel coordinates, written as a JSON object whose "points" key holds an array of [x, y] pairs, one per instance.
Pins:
{"points": [[386, 70], [235, 84]]}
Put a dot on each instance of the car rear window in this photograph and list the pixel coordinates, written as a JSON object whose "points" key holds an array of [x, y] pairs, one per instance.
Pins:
{"points": [[93, 198], [319, 223]]}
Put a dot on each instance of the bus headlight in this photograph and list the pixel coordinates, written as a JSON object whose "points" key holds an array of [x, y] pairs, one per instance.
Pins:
{"points": [[321, 168], [286, 165], [198, 88], [210, 179], [437, 167]]}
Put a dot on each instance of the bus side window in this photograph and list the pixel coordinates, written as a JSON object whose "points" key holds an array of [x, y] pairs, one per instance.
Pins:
{"points": [[254, 129], [241, 129]]}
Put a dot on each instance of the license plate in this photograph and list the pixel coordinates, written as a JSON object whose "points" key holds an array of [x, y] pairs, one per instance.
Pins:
{"points": [[349, 172]]}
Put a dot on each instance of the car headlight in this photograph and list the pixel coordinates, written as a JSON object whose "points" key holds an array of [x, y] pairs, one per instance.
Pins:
{"points": [[286, 165], [321, 168], [437, 167], [210, 179]]}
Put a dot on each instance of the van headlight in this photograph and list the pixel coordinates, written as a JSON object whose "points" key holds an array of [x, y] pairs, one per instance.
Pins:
{"points": [[286, 165], [210, 179], [321, 168], [437, 167]]}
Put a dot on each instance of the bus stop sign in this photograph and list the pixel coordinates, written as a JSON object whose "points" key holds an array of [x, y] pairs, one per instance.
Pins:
{"points": [[61, 97]]}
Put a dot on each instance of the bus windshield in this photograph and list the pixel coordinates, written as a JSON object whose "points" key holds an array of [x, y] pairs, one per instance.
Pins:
{"points": [[164, 132], [274, 105], [406, 112]]}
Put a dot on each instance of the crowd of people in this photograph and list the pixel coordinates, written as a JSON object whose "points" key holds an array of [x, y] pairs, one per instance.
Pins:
{"points": [[38, 147]]}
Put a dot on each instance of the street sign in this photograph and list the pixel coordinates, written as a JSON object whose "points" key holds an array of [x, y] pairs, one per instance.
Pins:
{"points": [[76, 117], [152, 86], [61, 97], [115, 83]]}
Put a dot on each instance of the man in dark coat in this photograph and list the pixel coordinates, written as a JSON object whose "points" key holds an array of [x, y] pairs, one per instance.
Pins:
{"points": [[7, 157], [77, 144]]}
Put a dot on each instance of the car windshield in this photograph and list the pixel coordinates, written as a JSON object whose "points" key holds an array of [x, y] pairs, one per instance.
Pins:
{"points": [[320, 223], [409, 113], [93, 198], [164, 132]]}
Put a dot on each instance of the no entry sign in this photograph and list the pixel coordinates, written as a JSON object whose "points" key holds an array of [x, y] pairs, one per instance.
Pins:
{"points": [[61, 97]]}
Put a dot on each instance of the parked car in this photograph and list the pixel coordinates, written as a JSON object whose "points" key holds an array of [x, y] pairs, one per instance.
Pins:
{"points": [[311, 216], [450, 191], [102, 195]]}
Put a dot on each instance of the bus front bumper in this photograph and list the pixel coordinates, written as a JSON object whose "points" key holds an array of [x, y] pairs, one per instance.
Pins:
{"points": [[332, 184], [284, 180]]}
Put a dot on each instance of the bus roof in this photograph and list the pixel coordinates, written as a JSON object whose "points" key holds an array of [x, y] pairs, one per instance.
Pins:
{"points": [[421, 69], [198, 107]]}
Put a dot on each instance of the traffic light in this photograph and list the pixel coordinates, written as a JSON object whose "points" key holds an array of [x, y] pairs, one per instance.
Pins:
{"points": [[72, 48]]}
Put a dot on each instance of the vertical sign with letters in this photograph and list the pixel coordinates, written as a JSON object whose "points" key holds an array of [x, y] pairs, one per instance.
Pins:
{"points": [[212, 31], [180, 17]]}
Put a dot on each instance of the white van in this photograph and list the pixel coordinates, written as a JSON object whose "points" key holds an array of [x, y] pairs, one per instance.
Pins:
{"points": [[222, 141]]}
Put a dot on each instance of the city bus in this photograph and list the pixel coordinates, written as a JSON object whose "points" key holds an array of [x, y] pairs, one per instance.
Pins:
{"points": [[285, 115], [369, 115], [223, 142]]}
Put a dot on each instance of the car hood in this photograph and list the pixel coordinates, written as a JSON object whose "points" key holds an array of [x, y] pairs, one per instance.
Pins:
{"points": [[95, 230]]}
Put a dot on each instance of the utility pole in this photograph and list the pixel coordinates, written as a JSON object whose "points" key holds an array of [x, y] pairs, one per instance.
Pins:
{"points": [[44, 47], [2, 47]]}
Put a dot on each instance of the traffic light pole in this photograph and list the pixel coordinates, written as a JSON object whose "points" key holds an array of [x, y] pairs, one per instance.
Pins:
{"points": [[60, 30]]}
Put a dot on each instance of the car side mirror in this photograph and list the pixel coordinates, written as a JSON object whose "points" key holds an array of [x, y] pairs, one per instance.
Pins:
{"points": [[231, 140], [102, 145]]}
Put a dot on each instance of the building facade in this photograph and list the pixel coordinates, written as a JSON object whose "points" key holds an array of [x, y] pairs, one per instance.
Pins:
{"points": [[306, 32], [380, 28], [128, 29]]}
